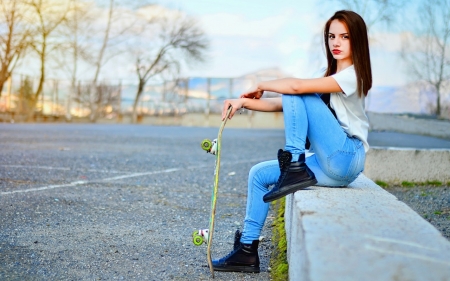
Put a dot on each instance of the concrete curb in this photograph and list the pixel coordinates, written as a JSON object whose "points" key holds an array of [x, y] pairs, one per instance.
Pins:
{"points": [[409, 125], [361, 233], [394, 165]]}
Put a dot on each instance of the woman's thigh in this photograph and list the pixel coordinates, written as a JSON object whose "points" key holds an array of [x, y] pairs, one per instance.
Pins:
{"points": [[341, 167]]}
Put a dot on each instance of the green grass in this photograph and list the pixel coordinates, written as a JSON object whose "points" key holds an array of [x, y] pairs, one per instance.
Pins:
{"points": [[413, 184], [278, 261], [438, 212], [381, 183], [436, 183], [407, 184]]}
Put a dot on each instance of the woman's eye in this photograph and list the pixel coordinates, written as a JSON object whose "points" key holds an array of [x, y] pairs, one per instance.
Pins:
{"points": [[331, 36], [345, 37]]}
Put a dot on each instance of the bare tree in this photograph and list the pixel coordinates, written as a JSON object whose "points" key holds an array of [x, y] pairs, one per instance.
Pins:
{"points": [[118, 22], [107, 97], [47, 16], [427, 51], [76, 46], [14, 37], [174, 39]]}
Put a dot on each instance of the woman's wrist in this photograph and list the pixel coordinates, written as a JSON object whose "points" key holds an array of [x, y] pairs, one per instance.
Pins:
{"points": [[259, 87]]}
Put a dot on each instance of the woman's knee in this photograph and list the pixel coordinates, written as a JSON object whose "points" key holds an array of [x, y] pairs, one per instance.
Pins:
{"points": [[311, 97]]}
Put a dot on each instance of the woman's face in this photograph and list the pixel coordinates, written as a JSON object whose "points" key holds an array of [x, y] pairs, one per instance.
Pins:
{"points": [[339, 42]]}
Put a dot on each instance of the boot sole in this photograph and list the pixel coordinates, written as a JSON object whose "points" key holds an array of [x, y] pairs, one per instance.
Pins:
{"points": [[289, 190], [231, 268]]}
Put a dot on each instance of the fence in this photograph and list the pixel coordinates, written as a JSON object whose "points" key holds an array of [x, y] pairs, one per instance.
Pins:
{"points": [[62, 98], [113, 99]]}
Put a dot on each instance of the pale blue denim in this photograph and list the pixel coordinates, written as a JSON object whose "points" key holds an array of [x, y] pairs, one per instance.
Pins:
{"points": [[338, 159]]}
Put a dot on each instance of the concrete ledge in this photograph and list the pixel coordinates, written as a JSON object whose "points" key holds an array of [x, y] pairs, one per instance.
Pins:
{"points": [[361, 232], [394, 165], [408, 124]]}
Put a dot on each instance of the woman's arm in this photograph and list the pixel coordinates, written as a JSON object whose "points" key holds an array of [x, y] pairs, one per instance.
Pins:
{"points": [[265, 105], [295, 86]]}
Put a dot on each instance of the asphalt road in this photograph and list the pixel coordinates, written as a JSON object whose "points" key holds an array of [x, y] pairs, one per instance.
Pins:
{"points": [[106, 202]]}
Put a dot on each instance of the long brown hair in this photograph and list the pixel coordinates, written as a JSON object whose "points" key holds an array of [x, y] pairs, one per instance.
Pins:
{"points": [[359, 44]]}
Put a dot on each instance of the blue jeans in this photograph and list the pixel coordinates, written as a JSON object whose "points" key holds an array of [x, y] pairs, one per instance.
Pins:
{"points": [[338, 159]]}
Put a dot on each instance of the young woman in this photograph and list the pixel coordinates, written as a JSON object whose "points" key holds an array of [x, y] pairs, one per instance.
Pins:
{"points": [[337, 130]]}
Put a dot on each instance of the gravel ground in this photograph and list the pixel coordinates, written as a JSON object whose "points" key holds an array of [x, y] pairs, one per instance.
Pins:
{"points": [[431, 202], [107, 202]]}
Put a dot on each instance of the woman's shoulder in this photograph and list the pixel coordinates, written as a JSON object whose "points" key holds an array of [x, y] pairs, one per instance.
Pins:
{"points": [[348, 72], [350, 68], [321, 72]]}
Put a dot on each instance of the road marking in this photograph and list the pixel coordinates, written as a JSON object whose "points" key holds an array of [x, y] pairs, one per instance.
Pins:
{"points": [[36, 167], [141, 174], [44, 187], [62, 169], [75, 183]]}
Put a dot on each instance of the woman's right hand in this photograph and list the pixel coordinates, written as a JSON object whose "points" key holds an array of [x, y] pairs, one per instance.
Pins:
{"points": [[253, 93], [235, 103]]}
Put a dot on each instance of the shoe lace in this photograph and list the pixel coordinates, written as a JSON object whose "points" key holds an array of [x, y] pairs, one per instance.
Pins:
{"points": [[237, 238], [284, 159], [231, 253]]}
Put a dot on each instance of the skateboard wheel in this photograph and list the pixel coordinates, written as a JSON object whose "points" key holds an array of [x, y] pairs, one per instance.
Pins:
{"points": [[198, 240], [206, 144]]}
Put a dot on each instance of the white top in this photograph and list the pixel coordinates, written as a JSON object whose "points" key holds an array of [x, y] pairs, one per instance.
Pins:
{"points": [[349, 107]]}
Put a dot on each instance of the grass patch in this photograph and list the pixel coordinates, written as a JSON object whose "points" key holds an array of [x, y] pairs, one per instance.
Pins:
{"points": [[438, 212], [436, 183], [407, 184], [381, 183], [412, 184], [278, 261]]}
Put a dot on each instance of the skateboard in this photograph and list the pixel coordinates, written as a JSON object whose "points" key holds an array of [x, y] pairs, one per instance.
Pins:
{"points": [[206, 235]]}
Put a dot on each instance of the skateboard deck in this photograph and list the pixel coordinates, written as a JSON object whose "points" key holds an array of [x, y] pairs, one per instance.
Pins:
{"points": [[206, 235]]}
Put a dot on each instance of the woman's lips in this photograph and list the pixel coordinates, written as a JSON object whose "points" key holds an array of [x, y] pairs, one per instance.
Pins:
{"points": [[336, 52]]}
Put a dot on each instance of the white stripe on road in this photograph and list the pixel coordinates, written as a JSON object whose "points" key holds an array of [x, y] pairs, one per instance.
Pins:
{"points": [[75, 183], [44, 187], [36, 167], [61, 169]]}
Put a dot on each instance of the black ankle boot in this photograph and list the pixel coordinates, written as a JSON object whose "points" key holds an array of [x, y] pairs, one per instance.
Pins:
{"points": [[293, 176], [243, 258], [237, 239]]}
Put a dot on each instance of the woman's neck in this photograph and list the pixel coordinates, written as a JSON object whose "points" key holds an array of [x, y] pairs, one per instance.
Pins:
{"points": [[343, 64]]}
